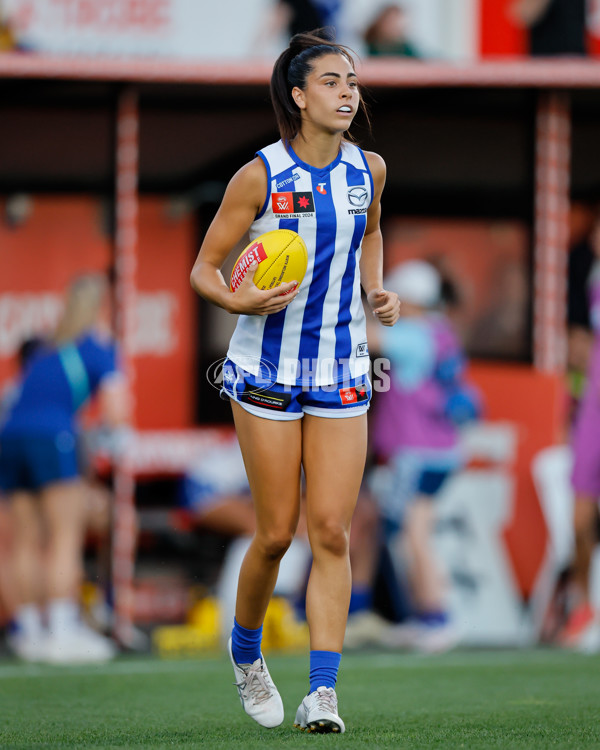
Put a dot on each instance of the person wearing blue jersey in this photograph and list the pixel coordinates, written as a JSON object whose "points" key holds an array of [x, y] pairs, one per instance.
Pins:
{"points": [[303, 350], [40, 475]]}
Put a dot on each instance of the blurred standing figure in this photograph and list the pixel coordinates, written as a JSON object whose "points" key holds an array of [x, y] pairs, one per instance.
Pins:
{"points": [[556, 27], [8, 38], [586, 477], [415, 432], [40, 474], [299, 16], [387, 34]]}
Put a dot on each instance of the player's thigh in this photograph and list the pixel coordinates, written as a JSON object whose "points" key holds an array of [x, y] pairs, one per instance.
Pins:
{"points": [[63, 508], [272, 456], [334, 453], [25, 518]]}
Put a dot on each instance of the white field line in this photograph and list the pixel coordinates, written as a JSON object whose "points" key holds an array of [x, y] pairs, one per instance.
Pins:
{"points": [[471, 659]]}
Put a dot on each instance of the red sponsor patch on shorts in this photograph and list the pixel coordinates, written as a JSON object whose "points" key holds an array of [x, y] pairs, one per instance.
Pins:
{"points": [[353, 394], [348, 395]]}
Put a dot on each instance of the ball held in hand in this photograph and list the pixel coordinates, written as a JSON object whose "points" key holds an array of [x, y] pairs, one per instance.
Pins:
{"points": [[281, 256]]}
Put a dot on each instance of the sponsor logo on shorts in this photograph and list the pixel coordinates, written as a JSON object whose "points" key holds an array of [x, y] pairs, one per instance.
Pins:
{"points": [[267, 399], [354, 394], [225, 374], [362, 350], [293, 205], [288, 181]]}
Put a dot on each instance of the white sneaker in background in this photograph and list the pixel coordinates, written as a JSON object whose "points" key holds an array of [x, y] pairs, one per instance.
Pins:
{"points": [[437, 639], [365, 628], [589, 641], [403, 635], [318, 712], [259, 697], [78, 645], [27, 648]]}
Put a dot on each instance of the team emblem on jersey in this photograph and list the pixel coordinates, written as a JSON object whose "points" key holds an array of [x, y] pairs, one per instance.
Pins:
{"points": [[358, 195], [353, 395], [294, 205]]}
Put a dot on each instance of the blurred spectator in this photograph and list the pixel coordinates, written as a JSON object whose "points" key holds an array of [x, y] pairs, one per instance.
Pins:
{"points": [[8, 591], [9, 36], [581, 623], [388, 33], [556, 27], [292, 17], [580, 335], [41, 475], [8, 39], [499, 330], [298, 16], [415, 431]]}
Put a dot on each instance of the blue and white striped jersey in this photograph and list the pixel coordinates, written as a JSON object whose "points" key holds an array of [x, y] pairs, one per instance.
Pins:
{"points": [[320, 337]]}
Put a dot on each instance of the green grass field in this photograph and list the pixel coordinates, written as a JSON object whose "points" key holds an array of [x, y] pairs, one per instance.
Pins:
{"points": [[510, 699]]}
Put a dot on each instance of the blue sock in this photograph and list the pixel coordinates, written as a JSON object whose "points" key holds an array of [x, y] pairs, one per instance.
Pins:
{"points": [[361, 598], [433, 618], [324, 667], [245, 643]]}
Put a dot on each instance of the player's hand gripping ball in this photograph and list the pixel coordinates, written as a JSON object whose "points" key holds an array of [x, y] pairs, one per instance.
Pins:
{"points": [[281, 256]]}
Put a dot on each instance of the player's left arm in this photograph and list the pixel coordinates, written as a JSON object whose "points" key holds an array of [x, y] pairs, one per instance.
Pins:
{"points": [[385, 304]]}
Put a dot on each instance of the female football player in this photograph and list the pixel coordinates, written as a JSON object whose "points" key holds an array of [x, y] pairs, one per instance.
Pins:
{"points": [[303, 349]]}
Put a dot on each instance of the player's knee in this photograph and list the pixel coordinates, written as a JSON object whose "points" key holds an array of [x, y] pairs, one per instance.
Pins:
{"points": [[331, 537], [275, 544]]}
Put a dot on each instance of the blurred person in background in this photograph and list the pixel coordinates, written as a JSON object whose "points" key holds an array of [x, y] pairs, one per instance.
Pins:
{"points": [[322, 427], [40, 475], [580, 336], [8, 37], [298, 16], [8, 588], [388, 33], [9, 33], [556, 27], [290, 17], [415, 431], [582, 629]]}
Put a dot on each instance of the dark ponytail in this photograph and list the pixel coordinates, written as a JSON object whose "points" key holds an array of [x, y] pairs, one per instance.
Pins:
{"points": [[292, 68]]}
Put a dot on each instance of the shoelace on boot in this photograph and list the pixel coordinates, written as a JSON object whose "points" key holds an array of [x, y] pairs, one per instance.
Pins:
{"points": [[326, 700], [255, 685]]}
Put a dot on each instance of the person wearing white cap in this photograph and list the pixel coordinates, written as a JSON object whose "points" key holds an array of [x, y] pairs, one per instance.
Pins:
{"points": [[415, 433]]}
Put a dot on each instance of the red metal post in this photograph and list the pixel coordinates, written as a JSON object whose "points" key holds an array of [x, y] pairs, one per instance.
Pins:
{"points": [[553, 156], [126, 247]]}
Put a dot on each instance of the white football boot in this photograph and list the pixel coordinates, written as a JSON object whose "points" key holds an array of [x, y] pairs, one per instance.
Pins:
{"points": [[318, 712], [27, 647], [79, 645], [259, 697]]}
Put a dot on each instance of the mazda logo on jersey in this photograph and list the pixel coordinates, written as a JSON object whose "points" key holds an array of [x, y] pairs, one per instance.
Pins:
{"points": [[292, 203], [358, 195]]}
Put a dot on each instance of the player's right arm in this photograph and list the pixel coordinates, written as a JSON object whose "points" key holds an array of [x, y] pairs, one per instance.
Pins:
{"points": [[241, 203]]}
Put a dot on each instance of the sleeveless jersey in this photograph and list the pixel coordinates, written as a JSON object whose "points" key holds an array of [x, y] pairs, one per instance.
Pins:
{"points": [[320, 337]]}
